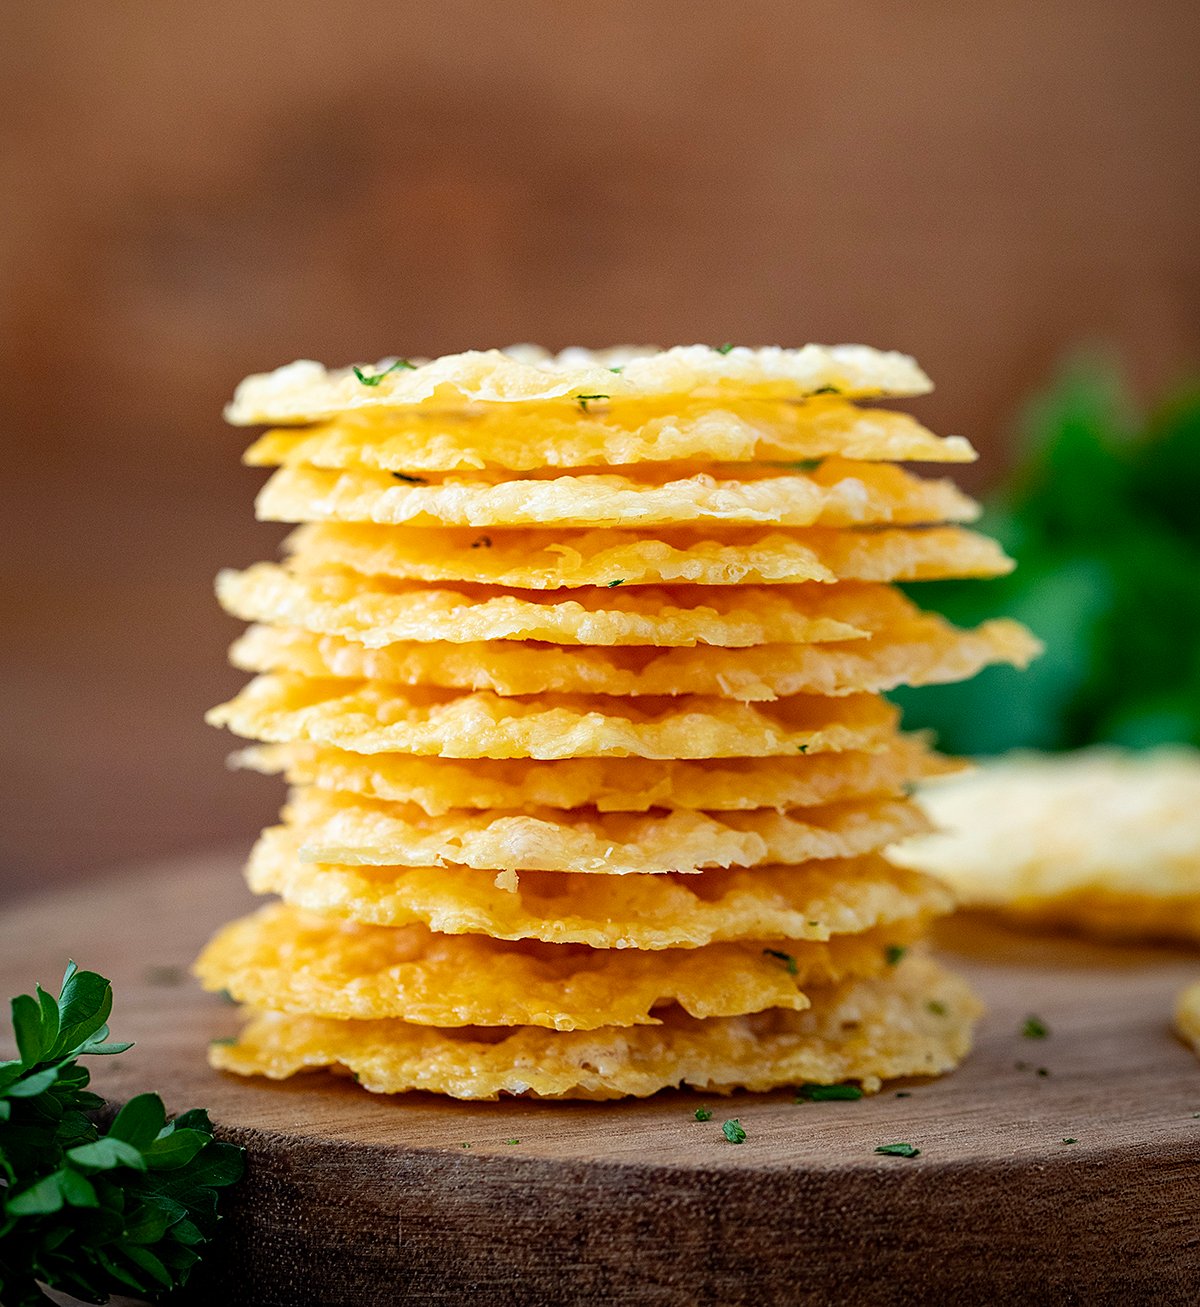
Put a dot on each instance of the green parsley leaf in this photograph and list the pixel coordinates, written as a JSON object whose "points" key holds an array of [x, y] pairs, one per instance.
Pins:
{"points": [[802, 748], [704, 1114], [619, 581], [584, 400], [898, 1150], [618, 369], [1070, 1141], [825, 390], [96, 1213], [733, 1132], [412, 481], [812, 1093], [786, 958], [806, 465], [379, 376], [512, 1141], [1035, 1028], [724, 349], [894, 953]]}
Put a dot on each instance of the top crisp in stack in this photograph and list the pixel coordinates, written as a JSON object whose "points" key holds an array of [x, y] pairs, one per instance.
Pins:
{"points": [[576, 666]]}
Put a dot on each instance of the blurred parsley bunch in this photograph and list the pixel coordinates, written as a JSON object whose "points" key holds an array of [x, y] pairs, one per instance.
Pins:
{"points": [[1102, 515], [84, 1210]]}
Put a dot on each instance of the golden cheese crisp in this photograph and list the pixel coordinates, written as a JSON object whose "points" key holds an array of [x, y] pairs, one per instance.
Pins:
{"points": [[305, 391], [522, 438], [838, 493], [348, 829], [914, 1020], [534, 559], [1187, 1017], [382, 612], [812, 901], [437, 785], [370, 717], [291, 961], [924, 651], [1100, 840]]}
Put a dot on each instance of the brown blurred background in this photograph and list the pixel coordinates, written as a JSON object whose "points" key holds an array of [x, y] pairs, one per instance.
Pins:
{"points": [[192, 192]]}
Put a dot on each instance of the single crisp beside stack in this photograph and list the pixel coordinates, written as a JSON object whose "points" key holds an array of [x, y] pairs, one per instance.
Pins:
{"points": [[576, 667], [1102, 841]]}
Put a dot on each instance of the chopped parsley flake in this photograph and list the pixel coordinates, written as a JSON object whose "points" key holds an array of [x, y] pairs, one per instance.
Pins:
{"points": [[724, 349], [618, 369], [1035, 1028], [464, 1145], [704, 1114], [733, 1132], [1070, 1141], [412, 481], [786, 958], [512, 1141], [807, 465], [937, 1007], [903, 1093], [828, 1094], [223, 1043], [379, 376], [894, 953], [802, 748], [1043, 1071], [619, 581], [826, 390], [583, 400], [898, 1150]]}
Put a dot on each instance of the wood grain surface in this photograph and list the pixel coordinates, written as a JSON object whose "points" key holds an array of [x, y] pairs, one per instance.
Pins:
{"points": [[351, 1198]]}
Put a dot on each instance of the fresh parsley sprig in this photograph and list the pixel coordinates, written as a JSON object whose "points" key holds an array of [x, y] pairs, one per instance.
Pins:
{"points": [[88, 1212]]}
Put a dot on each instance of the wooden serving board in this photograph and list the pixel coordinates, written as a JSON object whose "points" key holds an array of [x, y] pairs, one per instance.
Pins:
{"points": [[356, 1199]]}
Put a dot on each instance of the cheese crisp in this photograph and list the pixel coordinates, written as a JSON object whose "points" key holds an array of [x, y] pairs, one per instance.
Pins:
{"points": [[576, 663], [1102, 841]]}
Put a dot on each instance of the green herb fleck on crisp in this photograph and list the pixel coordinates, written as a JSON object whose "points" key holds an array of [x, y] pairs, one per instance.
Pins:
{"points": [[894, 954], [379, 376], [1035, 1028], [512, 1141], [733, 1132], [826, 390], [618, 369], [618, 581], [227, 1042], [585, 400], [806, 465], [898, 1150], [724, 349], [704, 1114], [828, 1093], [412, 481], [786, 958], [1070, 1141]]}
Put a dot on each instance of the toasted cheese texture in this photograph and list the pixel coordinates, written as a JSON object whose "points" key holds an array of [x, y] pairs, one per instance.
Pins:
{"points": [[363, 832], [577, 666], [532, 558], [1102, 841], [523, 374], [437, 785], [836, 494], [915, 1021], [530, 437], [812, 901], [286, 960], [925, 651]]}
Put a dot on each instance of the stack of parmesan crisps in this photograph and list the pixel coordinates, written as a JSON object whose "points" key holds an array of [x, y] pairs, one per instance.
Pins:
{"points": [[576, 668]]}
